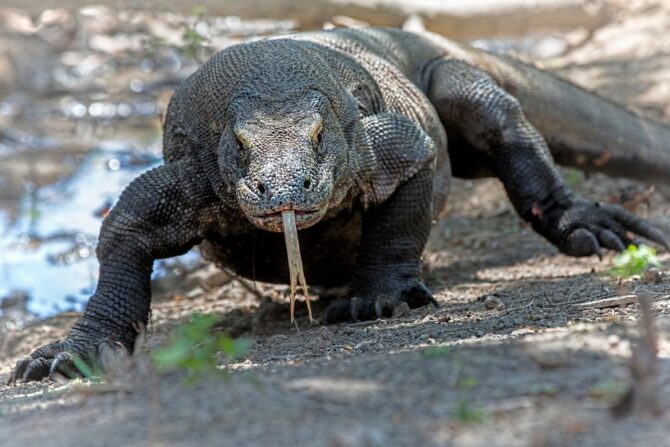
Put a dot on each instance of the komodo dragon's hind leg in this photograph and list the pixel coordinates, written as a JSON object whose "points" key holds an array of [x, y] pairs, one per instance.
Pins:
{"points": [[473, 107]]}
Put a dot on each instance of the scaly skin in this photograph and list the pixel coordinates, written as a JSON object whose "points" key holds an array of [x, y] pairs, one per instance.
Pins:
{"points": [[349, 129]]}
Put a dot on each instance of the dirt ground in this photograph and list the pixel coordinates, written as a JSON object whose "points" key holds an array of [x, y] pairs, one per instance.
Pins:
{"points": [[511, 357]]}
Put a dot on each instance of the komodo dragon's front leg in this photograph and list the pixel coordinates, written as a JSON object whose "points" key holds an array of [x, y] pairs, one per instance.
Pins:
{"points": [[489, 119], [163, 213], [396, 224]]}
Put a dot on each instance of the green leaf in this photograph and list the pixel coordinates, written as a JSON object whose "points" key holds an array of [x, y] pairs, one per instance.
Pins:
{"points": [[469, 413], [634, 261], [193, 348], [435, 351]]}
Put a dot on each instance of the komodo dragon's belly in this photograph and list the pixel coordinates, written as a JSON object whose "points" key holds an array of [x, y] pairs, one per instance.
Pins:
{"points": [[329, 250]]}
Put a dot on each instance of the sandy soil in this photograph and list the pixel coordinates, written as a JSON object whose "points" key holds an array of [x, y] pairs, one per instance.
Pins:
{"points": [[510, 357]]}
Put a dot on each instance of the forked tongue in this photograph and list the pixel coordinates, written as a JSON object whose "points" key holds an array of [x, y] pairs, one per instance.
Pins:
{"points": [[294, 261]]}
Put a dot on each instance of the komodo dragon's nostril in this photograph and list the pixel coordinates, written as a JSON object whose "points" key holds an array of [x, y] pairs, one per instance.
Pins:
{"points": [[307, 184], [260, 187]]}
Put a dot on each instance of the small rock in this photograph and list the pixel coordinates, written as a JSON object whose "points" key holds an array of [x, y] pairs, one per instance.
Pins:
{"points": [[551, 359], [195, 293], [444, 318], [653, 275], [493, 303]]}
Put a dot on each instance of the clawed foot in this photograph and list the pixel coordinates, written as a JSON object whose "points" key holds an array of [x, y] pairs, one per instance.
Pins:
{"points": [[379, 305], [579, 227], [58, 359]]}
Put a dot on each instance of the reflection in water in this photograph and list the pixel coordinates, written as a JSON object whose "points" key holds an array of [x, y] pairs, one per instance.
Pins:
{"points": [[48, 251]]}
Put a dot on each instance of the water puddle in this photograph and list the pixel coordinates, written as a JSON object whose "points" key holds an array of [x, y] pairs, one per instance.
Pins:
{"points": [[48, 252]]}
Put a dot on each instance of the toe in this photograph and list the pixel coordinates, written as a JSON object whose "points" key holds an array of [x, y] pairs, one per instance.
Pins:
{"points": [[19, 370], [582, 242], [363, 309], [37, 370], [384, 306], [64, 365], [338, 312], [418, 295], [609, 239], [639, 226]]}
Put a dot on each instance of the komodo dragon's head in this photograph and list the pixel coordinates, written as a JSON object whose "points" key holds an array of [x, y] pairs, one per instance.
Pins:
{"points": [[292, 133]]}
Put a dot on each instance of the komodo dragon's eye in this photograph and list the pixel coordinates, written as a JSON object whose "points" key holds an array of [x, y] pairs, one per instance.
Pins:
{"points": [[241, 143], [242, 146], [317, 135]]}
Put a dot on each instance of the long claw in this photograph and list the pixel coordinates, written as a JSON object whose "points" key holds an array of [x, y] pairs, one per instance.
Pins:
{"points": [[297, 275], [19, 369], [639, 226]]}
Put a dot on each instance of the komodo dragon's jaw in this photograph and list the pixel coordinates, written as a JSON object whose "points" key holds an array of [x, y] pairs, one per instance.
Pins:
{"points": [[273, 221]]}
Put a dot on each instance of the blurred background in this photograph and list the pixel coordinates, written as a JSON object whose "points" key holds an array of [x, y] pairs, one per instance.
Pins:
{"points": [[83, 87]]}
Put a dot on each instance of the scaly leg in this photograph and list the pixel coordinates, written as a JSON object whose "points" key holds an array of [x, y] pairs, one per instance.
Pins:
{"points": [[396, 224], [163, 213], [480, 112]]}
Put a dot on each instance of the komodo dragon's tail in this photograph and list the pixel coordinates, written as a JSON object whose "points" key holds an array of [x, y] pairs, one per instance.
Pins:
{"points": [[584, 130]]}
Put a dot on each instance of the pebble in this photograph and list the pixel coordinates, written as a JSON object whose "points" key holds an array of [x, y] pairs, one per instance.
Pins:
{"points": [[653, 275], [493, 303]]}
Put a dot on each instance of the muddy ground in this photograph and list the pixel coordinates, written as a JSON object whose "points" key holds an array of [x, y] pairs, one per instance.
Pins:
{"points": [[532, 368]]}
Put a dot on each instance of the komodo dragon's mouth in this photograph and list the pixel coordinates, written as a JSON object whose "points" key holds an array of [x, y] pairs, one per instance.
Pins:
{"points": [[274, 221]]}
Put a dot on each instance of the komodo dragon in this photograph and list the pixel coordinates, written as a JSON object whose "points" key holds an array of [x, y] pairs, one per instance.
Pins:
{"points": [[348, 130]]}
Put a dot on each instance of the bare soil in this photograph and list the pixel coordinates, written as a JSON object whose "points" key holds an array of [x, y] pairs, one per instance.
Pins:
{"points": [[510, 358]]}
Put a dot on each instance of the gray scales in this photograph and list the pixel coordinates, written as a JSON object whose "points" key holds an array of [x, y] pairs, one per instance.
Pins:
{"points": [[348, 129]]}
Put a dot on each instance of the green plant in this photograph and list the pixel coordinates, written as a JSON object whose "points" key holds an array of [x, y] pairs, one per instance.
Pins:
{"points": [[199, 12], [91, 371], [610, 390], [467, 382], [573, 176], [467, 412], [435, 351], [194, 348], [544, 389], [634, 261], [192, 41]]}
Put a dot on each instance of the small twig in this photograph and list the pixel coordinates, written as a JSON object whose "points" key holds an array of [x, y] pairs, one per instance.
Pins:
{"points": [[643, 394], [103, 388], [243, 282], [648, 322], [367, 323], [514, 309], [570, 300], [615, 301], [621, 300]]}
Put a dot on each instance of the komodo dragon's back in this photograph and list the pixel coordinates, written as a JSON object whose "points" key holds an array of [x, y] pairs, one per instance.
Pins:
{"points": [[582, 129]]}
